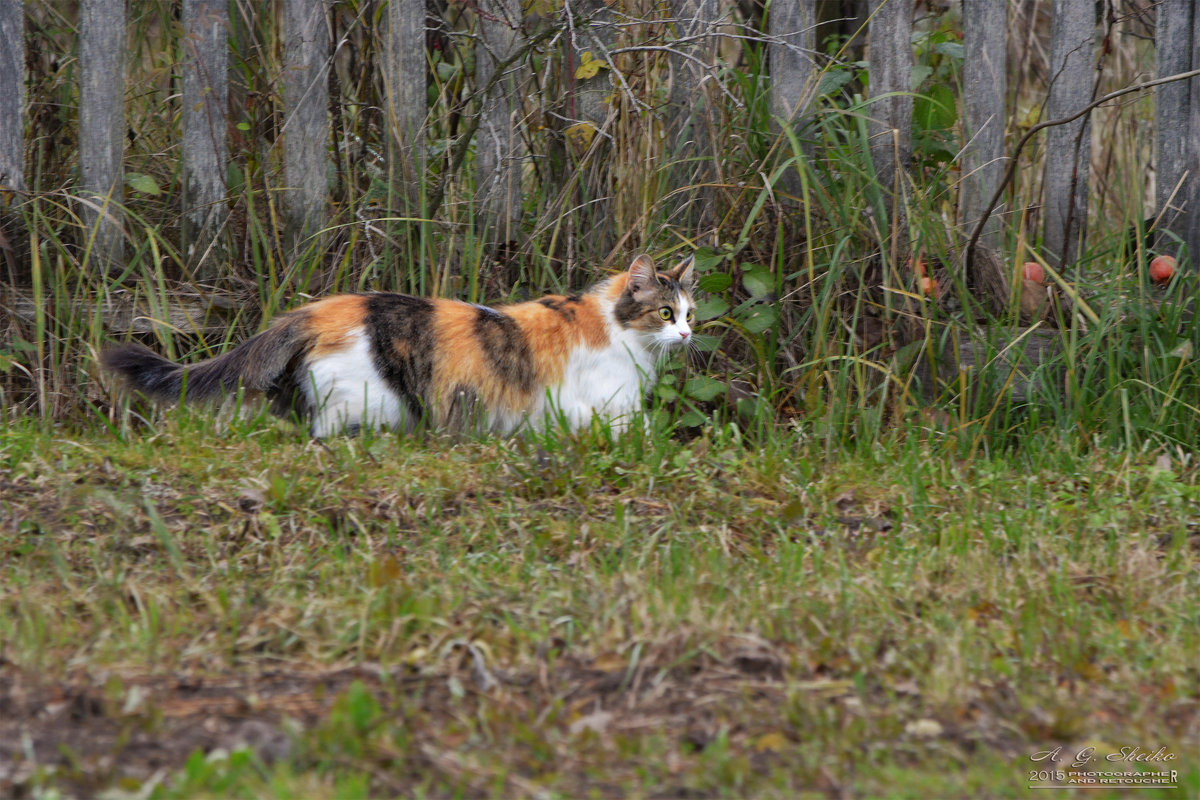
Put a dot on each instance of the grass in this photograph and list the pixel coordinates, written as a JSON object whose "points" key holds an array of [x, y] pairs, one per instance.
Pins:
{"points": [[870, 585], [230, 609]]}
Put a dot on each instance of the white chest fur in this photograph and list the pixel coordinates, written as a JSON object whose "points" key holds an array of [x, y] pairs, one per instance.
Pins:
{"points": [[609, 382]]}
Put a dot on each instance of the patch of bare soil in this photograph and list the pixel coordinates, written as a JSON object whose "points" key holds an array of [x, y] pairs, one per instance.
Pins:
{"points": [[99, 729], [468, 723], [94, 730]]}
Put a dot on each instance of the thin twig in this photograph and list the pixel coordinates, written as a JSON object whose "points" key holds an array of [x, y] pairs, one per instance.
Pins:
{"points": [[1012, 164]]}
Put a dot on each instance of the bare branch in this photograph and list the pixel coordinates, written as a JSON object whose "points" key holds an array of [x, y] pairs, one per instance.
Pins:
{"points": [[1041, 126]]}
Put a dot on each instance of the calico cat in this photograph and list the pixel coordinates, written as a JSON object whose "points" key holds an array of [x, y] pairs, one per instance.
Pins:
{"points": [[391, 360]]}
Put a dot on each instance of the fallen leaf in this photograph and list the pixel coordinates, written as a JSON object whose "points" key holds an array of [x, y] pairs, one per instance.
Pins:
{"points": [[597, 721], [924, 728], [774, 742]]}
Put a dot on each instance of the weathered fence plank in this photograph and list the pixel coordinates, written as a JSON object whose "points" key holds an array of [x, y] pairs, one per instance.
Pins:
{"points": [[498, 149], [1191, 188], [1068, 147], [12, 94], [12, 116], [690, 125], [791, 30], [102, 123], [204, 142], [985, 32], [407, 102], [890, 52], [1173, 53], [306, 129]]}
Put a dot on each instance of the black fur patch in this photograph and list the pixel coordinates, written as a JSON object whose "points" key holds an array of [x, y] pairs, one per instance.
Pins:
{"points": [[145, 370], [562, 305], [627, 310], [632, 306], [506, 349], [408, 369]]}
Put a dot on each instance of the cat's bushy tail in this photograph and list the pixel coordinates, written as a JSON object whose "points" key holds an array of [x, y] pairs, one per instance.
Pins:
{"points": [[262, 363]]}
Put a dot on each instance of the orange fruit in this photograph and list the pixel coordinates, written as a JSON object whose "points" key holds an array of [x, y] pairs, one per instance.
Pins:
{"points": [[1033, 272], [1162, 268]]}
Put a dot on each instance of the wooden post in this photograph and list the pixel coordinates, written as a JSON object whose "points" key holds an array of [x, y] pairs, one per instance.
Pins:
{"points": [[407, 103], [690, 126], [985, 30], [889, 45], [791, 51], [791, 25], [1068, 150], [1172, 102], [592, 29], [498, 148], [1189, 227], [306, 128], [102, 49], [205, 146], [12, 116]]}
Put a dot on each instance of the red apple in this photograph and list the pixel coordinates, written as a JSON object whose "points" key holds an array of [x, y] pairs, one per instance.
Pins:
{"points": [[1033, 271], [1162, 268]]}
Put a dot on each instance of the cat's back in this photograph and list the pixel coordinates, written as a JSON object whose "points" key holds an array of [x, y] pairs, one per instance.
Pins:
{"points": [[545, 327], [435, 349]]}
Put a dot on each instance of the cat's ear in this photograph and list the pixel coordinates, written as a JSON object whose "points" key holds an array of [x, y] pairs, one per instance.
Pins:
{"points": [[685, 274], [641, 274]]}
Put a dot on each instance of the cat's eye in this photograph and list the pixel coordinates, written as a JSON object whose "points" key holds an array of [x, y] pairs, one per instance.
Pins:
{"points": [[691, 314], [665, 312]]}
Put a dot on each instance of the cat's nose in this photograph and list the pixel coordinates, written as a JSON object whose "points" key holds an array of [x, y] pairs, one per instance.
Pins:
{"points": [[684, 334]]}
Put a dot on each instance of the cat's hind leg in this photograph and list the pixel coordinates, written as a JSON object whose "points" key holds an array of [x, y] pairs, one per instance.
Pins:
{"points": [[347, 393]]}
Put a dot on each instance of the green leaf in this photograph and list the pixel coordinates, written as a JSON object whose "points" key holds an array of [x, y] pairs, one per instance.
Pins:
{"points": [[142, 184], [906, 357], [759, 281], [710, 308], [706, 259], [761, 318], [951, 49], [703, 388], [834, 80], [716, 282], [692, 419], [935, 110], [919, 73]]}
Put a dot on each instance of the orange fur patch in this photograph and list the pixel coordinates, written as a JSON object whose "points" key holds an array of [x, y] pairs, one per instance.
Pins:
{"points": [[331, 320], [617, 285], [549, 334], [459, 362]]}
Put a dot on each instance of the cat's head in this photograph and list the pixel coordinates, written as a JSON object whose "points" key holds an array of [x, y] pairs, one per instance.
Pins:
{"points": [[658, 305]]}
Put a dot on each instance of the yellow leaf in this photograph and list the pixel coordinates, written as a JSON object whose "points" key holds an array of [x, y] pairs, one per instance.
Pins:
{"points": [[774, 741], [581, 134], [589, 66], [610, 662]]}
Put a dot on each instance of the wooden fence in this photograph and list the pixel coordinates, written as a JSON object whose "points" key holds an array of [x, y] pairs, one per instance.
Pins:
{"points": [[587, 30]]}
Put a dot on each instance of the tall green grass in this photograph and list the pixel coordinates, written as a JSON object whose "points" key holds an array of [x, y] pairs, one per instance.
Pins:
{"points": [[807, 308]]}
